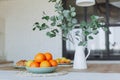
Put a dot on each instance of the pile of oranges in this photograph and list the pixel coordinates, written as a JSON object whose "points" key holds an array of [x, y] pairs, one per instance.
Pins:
{"points": [[43, 60]]}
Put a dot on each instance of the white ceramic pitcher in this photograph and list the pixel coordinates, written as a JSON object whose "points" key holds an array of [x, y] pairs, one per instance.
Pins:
{"points": [[79, 58]]}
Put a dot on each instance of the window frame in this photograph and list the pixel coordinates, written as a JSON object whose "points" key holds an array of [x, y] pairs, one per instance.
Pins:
{"points": [[107, 45]]}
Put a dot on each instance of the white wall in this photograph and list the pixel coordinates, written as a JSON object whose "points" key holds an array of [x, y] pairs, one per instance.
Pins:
{"points": [[2, 38], [20, 41]]}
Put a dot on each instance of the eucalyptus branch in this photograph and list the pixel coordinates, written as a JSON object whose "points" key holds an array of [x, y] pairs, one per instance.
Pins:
{"points": [[66, 20], [71, 38]]}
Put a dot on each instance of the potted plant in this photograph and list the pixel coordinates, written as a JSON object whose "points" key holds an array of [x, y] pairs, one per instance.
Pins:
{"points": [[66, 22]]}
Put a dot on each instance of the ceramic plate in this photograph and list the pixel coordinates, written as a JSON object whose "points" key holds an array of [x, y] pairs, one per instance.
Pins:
{"points": [[19, 67], [66, 63], [41, 70]]}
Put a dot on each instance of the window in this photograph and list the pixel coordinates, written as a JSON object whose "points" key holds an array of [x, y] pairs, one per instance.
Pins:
{"points": [[106, 45]]}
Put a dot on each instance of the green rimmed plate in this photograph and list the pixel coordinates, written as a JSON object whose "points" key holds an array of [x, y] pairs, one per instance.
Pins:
{"points": [[19, 67], [41, 70]]}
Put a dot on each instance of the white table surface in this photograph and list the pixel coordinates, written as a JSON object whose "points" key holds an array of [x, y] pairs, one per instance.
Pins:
{"points": [[12, 75]]}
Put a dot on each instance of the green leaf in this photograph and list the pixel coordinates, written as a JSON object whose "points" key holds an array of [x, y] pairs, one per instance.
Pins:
{"points": [[93, 18], [59, 25], [66, 13], [38, 26], [52, 0], [63, 27], [59, 8], [60, 17], [90, 37], [82, 43], [65, 32], [74, 21], [55, 30], [95, 32], [83, 24], [34, 28], [64, 38], [69, 19], [50, 34], [36, 23], [53, 24], [105, 29], [73, 14], [52, 18], [70, 24], [86, 33], [77, 33], [72, 9], [43, 26], [45, 17]]}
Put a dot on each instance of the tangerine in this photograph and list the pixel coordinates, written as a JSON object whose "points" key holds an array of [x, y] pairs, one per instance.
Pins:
{"points": [[34, 64], [45, 64], [48, 56], [39, 57], [53, 63]]}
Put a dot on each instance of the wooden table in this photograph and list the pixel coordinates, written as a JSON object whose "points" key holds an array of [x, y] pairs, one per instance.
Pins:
{"points": [[93, 68], [94, 72]]}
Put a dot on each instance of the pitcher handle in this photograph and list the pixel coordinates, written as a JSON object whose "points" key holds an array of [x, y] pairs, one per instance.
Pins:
{"points": [[88, 54]]}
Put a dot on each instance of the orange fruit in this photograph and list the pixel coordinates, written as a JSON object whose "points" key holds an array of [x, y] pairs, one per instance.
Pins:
{"points": [[39, 57], [48, 56], [53, 63], [45, 64], [34, 64]]}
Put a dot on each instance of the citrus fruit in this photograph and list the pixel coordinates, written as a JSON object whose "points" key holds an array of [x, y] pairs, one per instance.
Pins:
{"points": [[45, 64], [28, 63], [48, 56], [39, 57], [34, 64], [53, 63]]}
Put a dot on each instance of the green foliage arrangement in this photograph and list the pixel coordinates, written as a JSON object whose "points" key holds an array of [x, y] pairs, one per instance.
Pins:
{"points": [[65, 21]]}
